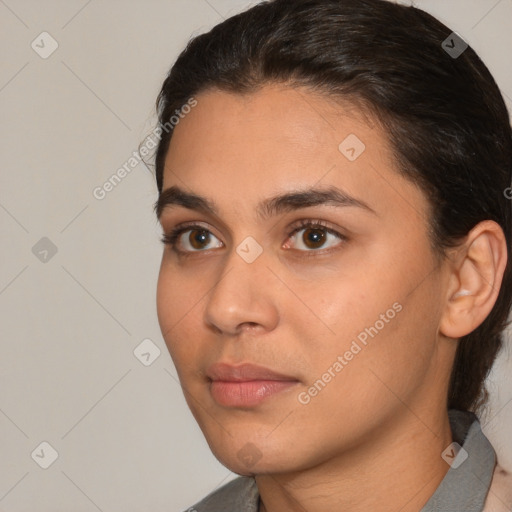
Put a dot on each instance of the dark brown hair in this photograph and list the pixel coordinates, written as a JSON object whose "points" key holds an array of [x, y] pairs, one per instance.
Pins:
{"points": [[444, 115]]}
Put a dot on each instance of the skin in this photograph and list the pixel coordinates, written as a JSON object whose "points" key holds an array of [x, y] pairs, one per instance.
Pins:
{"points": [[384, 415]]}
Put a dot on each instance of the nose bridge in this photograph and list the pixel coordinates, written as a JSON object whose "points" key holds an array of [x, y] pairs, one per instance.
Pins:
{"points": [[243, 293]]}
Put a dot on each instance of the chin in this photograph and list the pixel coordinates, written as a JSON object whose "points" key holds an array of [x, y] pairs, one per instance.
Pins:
{"points": [[248, 457]]}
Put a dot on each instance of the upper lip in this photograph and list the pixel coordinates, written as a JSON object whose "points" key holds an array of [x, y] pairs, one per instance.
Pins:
{"points": [[244, 372]]}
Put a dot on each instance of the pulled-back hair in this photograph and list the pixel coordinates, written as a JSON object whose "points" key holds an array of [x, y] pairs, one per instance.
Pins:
{"points": [[445, 119]]}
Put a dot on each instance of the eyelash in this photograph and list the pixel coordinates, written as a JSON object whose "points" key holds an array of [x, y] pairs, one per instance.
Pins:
{"points": [[171, 238]]}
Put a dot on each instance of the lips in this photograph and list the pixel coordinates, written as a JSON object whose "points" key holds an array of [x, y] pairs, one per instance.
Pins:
{"points": [[244, 372], [246, 385]]}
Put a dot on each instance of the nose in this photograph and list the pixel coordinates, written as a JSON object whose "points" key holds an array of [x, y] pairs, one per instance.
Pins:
{"points": [[243, 297]]}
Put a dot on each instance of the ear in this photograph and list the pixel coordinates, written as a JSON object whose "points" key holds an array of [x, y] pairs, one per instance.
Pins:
{"points": [[475, 279]]}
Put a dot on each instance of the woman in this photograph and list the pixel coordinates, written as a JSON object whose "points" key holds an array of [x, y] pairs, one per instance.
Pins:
{"points": [[335, 281]]}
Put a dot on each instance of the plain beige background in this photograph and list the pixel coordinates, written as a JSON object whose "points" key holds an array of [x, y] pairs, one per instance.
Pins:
{"points": [[119, 430]]}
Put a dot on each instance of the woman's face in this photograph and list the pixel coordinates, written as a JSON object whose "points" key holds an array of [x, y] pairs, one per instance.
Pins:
{"points": [[308, 258]]}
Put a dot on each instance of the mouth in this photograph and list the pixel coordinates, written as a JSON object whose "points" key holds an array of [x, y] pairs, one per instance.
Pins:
{"points": [[246, 385]]}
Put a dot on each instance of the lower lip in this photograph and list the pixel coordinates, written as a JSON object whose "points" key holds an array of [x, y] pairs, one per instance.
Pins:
{"points": [[246, 393]]}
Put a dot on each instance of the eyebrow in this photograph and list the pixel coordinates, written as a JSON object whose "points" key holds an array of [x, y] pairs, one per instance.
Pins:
{"points": [[289, 201]]}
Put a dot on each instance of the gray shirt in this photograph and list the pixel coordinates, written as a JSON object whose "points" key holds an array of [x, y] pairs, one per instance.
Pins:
{"points": [[463, 489]]}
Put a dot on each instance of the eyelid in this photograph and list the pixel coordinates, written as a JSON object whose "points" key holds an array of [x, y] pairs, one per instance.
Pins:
{"points": [[305, 223], [172, 237], [312, 223]]}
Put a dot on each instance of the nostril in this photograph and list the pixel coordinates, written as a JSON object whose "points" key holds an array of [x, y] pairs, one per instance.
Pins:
{"points": [[250, 325]]}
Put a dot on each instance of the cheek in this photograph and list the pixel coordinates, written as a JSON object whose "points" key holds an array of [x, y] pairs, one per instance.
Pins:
{"points": [[178, 300], [372, 313], [334, 308], [166, 301], [182, 295]]}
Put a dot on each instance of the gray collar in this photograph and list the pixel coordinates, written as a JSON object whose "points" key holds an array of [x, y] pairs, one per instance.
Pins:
{"points": [[463, 489]]}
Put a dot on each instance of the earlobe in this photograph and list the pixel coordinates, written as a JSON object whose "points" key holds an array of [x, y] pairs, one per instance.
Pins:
{"points": [[475, 280]]}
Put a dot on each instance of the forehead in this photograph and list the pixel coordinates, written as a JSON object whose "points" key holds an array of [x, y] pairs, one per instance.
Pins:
{"points": [[273, 117], [240, 148]]}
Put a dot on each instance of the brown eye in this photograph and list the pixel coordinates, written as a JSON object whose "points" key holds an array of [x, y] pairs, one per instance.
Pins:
{"points": [[314, 238], [189, 239], [198, 238]]}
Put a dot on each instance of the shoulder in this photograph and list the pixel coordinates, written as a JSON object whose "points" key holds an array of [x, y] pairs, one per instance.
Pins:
{"points": [[499, 498], [239, 495]]}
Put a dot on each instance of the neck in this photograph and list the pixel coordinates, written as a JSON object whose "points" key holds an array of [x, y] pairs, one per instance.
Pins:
{"points": [[398, 470]]}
